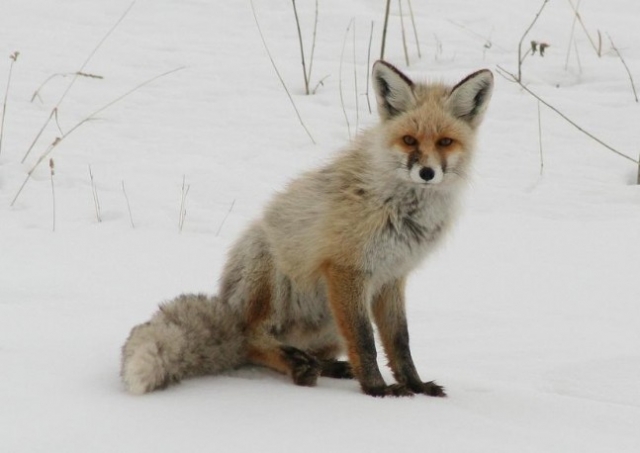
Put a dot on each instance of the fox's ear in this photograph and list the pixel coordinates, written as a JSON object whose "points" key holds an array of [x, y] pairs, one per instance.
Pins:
{"points": [[469, 98], [394, 90]]}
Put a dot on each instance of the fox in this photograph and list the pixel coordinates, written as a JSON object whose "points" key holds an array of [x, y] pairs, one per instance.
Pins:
{"points": [[329, 258]]}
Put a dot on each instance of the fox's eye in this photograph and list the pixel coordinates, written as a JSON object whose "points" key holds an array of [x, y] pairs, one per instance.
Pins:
{"points": [[409, 140], [446, 141]]}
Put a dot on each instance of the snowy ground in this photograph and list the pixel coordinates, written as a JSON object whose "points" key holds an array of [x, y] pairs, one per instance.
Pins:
{"points": [[529, 316]]}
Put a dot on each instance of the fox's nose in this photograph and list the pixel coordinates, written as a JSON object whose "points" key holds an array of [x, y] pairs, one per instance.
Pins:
{"points": [[427, 173]]}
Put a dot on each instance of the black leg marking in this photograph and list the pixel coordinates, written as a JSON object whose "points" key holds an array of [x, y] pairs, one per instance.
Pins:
{"points": [[388, 390], [337, 369]]}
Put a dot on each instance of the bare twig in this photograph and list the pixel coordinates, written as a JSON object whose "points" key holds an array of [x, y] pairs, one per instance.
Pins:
{"points": [[404, 38], [304, 66], [384, 29], [273, 64], [96, 200], [344, 110], [75, 77], [520, 56], [126, 197], [512, 77], [633, 85], [225, 217], [369, 66], [52, 172], [92, 116], [415, 30], [13, 57]]}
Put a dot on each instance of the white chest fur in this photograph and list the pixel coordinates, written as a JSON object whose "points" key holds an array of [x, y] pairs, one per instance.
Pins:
{"points": [[415, 222]]}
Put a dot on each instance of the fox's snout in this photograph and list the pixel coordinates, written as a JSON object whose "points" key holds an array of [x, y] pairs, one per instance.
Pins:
{"points": [[429, 174]]}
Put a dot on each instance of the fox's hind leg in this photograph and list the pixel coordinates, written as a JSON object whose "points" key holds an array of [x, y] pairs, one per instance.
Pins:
{"points": [[330, 366], [303, 368]]}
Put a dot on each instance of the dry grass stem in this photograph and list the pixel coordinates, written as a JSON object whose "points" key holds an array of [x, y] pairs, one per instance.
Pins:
{"points": [[36, 94], [225, 217], [369, 67], [512, 77], [633, 85], [275, 68], [596, 47], [575, 46], [355, 79], [96, 199], [526, 32], [439, 49], [344, 110], [488, 41], [404, 37], [13, 57], [183, 203], [384, 29], [540, 139], [319, 84], [313, 43], [52, 172], [415, 30], [571, 36], [126, 197], [304, 66]]}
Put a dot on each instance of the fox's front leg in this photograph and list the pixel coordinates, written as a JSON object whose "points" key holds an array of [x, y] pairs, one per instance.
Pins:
{"points": [[391, 319], [348, 297]]}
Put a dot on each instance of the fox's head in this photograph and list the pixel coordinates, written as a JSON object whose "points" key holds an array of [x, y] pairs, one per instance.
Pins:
{"points": [[429, 129]]}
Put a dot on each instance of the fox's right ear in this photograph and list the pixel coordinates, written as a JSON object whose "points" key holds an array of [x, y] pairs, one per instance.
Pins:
{"points": [[394, 90]]}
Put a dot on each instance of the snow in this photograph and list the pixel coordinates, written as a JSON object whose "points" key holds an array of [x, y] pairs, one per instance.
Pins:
{"points": [[529, 315]]}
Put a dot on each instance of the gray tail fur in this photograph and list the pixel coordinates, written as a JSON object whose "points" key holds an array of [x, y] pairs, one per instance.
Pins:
{"points": [[190, 335]]}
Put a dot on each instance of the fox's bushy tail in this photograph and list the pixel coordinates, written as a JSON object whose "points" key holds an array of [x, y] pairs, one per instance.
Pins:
{"points": [[190, 335]]}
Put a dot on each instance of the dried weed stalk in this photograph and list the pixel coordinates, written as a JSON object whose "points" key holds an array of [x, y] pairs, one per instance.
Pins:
{"points": [[13, 57]]}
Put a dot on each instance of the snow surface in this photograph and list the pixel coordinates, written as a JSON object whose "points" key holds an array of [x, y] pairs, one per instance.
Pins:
{"points": [[529, 315]]}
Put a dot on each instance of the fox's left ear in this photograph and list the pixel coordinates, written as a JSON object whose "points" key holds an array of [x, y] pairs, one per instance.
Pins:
{"points": [[469, 98]]}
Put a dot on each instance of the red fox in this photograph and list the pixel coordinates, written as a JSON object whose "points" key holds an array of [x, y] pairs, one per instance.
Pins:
{"points": [[330, 255]]}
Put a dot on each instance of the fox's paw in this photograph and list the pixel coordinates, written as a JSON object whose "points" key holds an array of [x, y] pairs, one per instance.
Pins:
{"points": [[305, 368], [337, 369], [388, 390], [429, 388]]}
